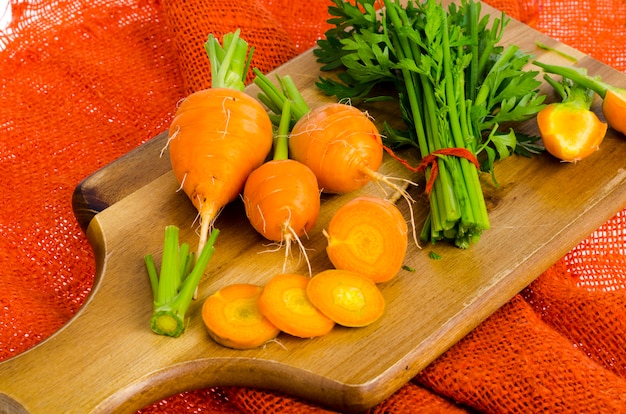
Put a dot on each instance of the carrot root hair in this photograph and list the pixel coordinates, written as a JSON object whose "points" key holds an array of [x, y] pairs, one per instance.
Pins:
{"points": [[169, 139], [290, 236], [400, 190]]}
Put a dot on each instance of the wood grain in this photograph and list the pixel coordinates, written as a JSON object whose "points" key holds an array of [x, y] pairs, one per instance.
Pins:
{"points": [[106, 359]]}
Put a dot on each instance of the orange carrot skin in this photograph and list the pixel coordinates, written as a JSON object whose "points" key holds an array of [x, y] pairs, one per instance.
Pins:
{"points": [[614, 109], [282, 193], [336, 141], [285, 303], [346, 297], [570, 134], [368, 235], [232, 318], [217, 137]]}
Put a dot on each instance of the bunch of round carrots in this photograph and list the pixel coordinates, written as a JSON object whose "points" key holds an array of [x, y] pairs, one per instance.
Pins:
{"points": [[219, 144]]}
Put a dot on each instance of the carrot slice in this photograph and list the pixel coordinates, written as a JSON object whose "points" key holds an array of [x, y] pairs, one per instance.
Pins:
{"points": [[368, 235], [232, 317], [346, 297], [285, 303]]}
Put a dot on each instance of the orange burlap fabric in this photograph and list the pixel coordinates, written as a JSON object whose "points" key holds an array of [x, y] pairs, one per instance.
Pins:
{"points": [[85, 81]]}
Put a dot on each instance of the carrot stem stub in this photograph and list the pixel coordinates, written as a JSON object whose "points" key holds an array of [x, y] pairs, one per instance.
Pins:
{"points": [[233, 319], [346, 297], [285, 303], [368, 235], [173, 290]]}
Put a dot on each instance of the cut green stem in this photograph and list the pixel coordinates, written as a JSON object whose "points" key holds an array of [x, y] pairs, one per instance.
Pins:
{"points": [[579, 76], [274, 97], [173, 290], [230, 63]]}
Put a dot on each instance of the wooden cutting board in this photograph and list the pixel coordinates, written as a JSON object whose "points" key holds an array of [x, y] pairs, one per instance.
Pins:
{"points": [[106, 359]]}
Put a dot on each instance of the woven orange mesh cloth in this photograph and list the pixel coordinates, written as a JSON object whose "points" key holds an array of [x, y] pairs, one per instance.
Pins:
{"points": [[85, 81]]}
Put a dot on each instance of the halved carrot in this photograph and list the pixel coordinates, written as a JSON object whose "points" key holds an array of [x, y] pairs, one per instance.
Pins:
{"points": [[570, 130], [368, 235], [233, 319], [285, 303], [348, 298]]}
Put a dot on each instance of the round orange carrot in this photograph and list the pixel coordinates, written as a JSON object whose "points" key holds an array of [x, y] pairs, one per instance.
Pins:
{"points": [[346, 297], [219, 135], [232, 317], [340, 144], [281, 197], [285, 303], [368, 235]]}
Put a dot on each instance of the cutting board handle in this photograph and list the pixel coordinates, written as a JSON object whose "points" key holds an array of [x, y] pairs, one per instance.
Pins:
{"points": [[110, 184], [9, 406]]}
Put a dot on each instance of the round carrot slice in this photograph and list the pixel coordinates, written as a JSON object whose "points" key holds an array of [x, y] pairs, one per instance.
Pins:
{"points": [[346, 297], [233, 319], [285, 303], [368, 235]]}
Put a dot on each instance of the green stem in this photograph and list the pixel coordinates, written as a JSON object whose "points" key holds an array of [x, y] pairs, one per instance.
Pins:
{"points": [[558, 52], [471, 18], [274, 97], [152, 274], [281, 148], [169, 282], [579, 76], [485, 91]]}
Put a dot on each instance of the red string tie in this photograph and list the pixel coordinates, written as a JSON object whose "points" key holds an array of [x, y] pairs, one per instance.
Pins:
{"points": [[431, 161]]}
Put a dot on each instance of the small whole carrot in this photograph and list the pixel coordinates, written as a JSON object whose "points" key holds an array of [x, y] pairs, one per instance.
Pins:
{"points": [[569, 129], [281, 197], [285, 303], [340, 144], [233, 319], [219, 135], [368, 235], [346, 297]]}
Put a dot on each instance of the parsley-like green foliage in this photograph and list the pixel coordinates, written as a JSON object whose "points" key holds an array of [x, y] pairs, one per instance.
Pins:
{"points": [[455, 85]]}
